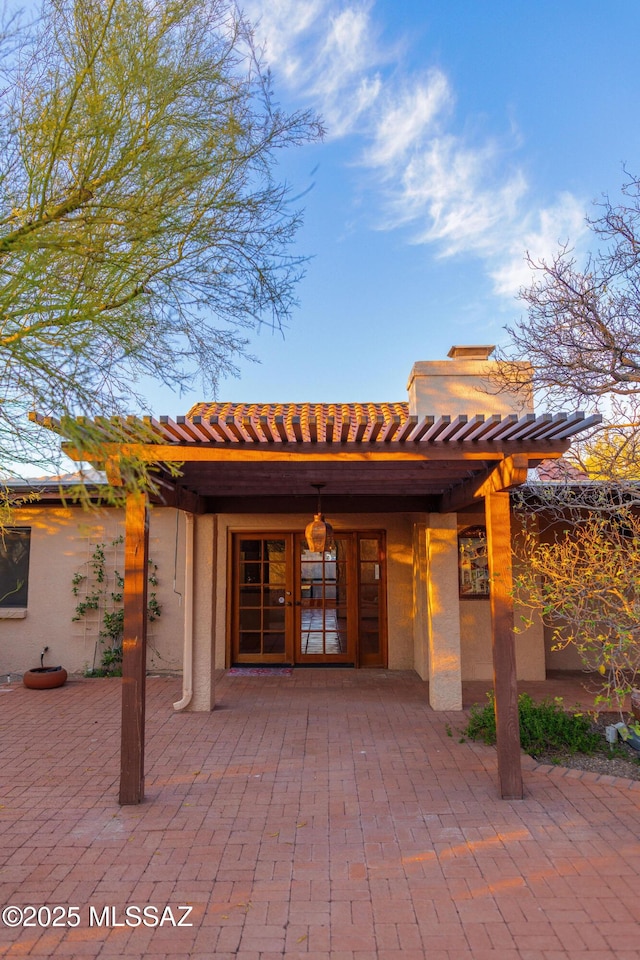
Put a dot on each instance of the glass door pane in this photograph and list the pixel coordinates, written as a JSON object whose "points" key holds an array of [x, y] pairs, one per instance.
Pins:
{"points": [[370, 596], [323, 609]]}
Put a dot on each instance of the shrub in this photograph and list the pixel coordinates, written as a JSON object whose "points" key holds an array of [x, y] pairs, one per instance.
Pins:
{"points": [[544, 727]]}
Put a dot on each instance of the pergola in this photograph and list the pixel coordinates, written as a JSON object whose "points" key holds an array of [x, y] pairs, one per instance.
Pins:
{"points": [[369, 457]]}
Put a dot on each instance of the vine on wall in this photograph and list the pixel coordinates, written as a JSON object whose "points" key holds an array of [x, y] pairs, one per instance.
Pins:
{"points": [[101, 604]]}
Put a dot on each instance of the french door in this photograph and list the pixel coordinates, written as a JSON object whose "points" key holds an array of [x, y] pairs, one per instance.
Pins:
{"points": [[291, 605]]}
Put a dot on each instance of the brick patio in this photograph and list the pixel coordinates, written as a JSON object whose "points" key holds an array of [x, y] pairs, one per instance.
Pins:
{"points": [[329, 816]]}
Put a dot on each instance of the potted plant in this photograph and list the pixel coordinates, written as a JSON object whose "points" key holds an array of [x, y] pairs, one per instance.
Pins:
{"points": [[44, 678]]}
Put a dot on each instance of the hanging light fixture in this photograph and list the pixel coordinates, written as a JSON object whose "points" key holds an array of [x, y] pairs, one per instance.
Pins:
{"points": [[318, 533]]}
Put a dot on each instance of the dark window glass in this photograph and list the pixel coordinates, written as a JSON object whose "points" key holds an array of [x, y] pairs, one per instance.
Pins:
{"points": [[250, 643], [14, 567], [273, 643]]}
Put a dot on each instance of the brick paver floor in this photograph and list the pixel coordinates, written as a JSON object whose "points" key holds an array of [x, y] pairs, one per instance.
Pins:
{"points": [[330, 815]]}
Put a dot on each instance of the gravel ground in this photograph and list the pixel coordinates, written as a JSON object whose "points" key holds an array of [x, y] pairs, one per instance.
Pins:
{"points": [[622, 761]]}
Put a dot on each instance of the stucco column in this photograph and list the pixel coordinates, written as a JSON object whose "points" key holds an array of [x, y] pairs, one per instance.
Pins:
{"points": [[420, 611], [203, 614], [443, 613]]}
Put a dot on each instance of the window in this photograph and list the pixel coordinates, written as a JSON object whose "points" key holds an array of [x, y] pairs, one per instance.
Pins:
{"points": [[473, 564], [14, 567]]}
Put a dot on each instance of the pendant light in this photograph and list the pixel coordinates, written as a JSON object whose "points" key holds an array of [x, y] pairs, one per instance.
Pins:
{"points": [[318, 533]]}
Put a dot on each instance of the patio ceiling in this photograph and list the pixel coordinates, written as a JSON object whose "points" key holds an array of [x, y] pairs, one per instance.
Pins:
{"points": [[254, 457]]}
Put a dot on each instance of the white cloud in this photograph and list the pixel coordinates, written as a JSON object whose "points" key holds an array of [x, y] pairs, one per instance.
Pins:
{"points": [[345, 82], [464, 195], [326, 51], [444, 189], [461, 196], [280, 26], [539, 236], [405, 119]]}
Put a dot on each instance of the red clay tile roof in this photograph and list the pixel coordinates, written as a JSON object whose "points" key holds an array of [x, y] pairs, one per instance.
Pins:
{"points": [[559, 471], [307, 421], [303, 410]]}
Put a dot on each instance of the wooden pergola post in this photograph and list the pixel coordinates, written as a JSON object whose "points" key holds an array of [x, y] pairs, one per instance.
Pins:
{"points": [[498, 520], [134, 649]]}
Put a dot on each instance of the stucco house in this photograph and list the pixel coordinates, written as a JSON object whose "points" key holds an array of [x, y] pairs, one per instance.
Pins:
{"points": [[415, 573]]}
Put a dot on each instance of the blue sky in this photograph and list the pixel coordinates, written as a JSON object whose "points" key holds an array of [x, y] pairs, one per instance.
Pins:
{"points": [[460, 135]]}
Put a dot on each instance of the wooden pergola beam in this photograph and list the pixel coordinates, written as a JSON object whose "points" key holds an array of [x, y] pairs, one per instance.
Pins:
{"points": [[320, 453], [507, 475], [171, 494], [134, 649]]}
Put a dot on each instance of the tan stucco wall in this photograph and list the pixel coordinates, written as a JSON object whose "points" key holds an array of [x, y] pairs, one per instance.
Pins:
{"points": [[475, 632], [62, 540], [399, 572], [420, 605], [566, 659], [530, 649], [440, 616], [475, 627], [204, 601]]}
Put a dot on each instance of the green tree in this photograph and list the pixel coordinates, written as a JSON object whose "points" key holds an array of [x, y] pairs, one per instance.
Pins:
{"points": [[613, 454], [142, 221]]}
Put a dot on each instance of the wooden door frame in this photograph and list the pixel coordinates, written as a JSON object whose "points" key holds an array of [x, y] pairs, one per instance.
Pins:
{"points": [[233, 533]]}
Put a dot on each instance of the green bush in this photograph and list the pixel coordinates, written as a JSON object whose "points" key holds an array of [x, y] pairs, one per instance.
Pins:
{"points": [[544, 727]]}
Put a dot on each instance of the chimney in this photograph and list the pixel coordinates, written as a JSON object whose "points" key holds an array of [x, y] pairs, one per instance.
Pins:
{"points": [[462, 385]]}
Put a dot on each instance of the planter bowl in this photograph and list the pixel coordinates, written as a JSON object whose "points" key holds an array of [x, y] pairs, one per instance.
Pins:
{"points": [[44, 678], [633, 740]]}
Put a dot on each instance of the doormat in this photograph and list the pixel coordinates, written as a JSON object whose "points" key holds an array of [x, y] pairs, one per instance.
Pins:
{"points": [[260, 672]]}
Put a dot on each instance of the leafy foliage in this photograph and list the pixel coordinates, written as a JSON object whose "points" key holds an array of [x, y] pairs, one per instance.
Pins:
{"points": [[102, 590], [581, 338], [583, 578], [544, 726], [141, 222]]}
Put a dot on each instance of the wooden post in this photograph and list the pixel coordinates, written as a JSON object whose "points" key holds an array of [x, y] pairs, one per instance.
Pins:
{"points": [[134, 649], [498, 519]]}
